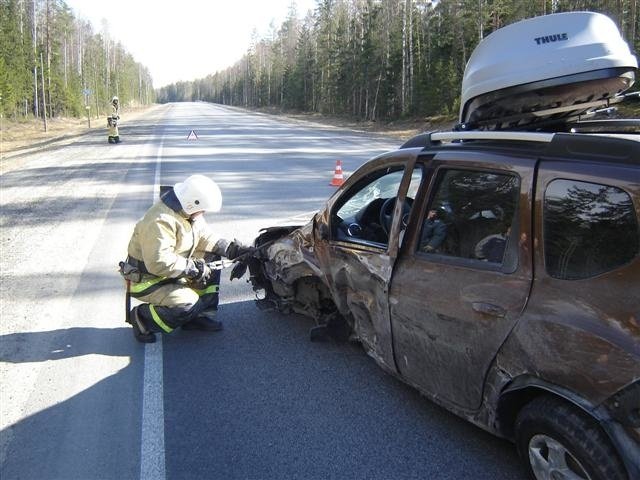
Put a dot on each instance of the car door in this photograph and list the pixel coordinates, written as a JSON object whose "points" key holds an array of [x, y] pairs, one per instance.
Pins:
{"points": [[358, 250], [454, 298]]}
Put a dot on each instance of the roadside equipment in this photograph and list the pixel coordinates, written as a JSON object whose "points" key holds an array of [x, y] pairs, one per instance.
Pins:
{"points": [[192, 136], [338, 178]]}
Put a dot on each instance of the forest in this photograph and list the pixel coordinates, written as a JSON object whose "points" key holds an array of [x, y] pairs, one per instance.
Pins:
{"points": [[376, 59], [53, 64], [365, 59]]}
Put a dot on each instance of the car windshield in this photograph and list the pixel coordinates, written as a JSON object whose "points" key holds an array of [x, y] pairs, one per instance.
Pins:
{"points": [[383, 187]]}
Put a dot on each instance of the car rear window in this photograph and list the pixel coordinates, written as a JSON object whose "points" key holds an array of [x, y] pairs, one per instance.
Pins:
{"points": [[589, 229]]}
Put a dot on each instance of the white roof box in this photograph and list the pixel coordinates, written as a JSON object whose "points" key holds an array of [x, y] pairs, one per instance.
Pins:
{"points": [[545, 70]]}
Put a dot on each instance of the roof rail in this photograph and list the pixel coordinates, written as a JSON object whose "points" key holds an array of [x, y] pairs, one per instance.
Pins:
{"points": [[492, 135], [427, 139], [613, 125]]}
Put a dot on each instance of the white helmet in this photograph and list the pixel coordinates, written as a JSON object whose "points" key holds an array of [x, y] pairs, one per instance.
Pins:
{"points": [[198, 193], [114, 100]]}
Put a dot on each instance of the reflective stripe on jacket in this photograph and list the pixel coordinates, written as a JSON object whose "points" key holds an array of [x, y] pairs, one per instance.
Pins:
{"points": [[148, 285]]}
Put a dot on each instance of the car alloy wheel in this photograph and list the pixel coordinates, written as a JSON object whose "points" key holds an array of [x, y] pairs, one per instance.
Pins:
{"points": [[550, 460], [559, 441]]}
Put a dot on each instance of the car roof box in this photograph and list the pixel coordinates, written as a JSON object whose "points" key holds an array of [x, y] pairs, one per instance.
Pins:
{"points": [[545, 70]]}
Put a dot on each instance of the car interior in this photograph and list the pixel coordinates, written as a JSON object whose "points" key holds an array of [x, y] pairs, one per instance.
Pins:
{"points": [[365, 214], [477, 210]]}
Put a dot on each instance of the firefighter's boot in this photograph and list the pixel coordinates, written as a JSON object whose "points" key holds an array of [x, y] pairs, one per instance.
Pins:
{"points": [[206, 322], [140, 330]]}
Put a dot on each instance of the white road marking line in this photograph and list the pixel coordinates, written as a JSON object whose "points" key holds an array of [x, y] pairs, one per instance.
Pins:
{"points": [[152, 448], [152, 454]]}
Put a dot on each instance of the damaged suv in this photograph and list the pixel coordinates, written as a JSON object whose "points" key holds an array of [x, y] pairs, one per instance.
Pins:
{"points": [[496, 268]]}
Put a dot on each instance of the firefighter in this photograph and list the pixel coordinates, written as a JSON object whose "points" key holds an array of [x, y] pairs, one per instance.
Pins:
{"points": [[115, 107], [168, 262], [112, 121]]}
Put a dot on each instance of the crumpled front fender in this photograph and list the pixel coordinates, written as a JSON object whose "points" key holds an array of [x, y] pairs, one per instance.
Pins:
{"points": [[285, 274]]}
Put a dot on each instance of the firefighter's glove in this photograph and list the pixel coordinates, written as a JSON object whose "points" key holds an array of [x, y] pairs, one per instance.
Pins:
{"points": [[198, 270], [236, 250], [238, 270]]}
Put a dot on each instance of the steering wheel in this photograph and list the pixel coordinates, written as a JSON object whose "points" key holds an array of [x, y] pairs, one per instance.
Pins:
{"points": [[386, 212]]}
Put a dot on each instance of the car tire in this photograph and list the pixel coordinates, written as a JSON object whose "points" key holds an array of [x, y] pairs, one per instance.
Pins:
{"points": [[559, 441]]}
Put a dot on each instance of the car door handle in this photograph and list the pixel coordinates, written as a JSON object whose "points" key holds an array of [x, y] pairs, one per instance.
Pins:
{"points": [[489, 309]]}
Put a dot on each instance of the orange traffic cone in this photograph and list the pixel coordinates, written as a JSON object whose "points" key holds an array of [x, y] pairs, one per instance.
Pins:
{"points": [[338, 178]]}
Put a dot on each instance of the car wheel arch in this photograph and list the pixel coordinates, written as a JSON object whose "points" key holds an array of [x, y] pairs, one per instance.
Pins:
{"points": [[555, 436], [523, 390]]}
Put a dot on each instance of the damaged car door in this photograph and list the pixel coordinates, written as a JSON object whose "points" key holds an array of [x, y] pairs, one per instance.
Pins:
{"points": [[454, 300], [357, 242]]}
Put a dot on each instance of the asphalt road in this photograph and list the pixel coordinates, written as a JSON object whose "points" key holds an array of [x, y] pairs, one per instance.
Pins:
{"points": [[81, 399]]}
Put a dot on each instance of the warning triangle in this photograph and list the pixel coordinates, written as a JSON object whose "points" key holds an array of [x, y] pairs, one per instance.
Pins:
{"points": [[192, 136]]}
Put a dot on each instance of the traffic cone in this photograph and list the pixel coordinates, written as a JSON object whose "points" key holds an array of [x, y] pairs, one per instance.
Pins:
{"points": [[338, 178]]}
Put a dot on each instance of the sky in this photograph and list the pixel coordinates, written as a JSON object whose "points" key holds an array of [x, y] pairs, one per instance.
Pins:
{"points": [[186, 39]]}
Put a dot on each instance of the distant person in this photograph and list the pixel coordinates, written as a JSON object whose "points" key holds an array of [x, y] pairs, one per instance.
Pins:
{"points": [[168, 260], [434, 232], [112, 121], [491, 248], [115, 108]]}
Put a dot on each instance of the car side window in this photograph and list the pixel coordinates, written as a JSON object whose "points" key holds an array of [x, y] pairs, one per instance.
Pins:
{"points": [[365, 214], [588, 229], [471, 215]]}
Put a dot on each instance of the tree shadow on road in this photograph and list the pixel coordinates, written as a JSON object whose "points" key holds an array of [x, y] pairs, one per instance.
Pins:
{"points": [[257, 400], [98, 428], [65, 343]]}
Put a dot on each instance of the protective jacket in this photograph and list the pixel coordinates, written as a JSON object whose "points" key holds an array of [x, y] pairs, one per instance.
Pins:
{"points": [[165, 238], [112, 123]]}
